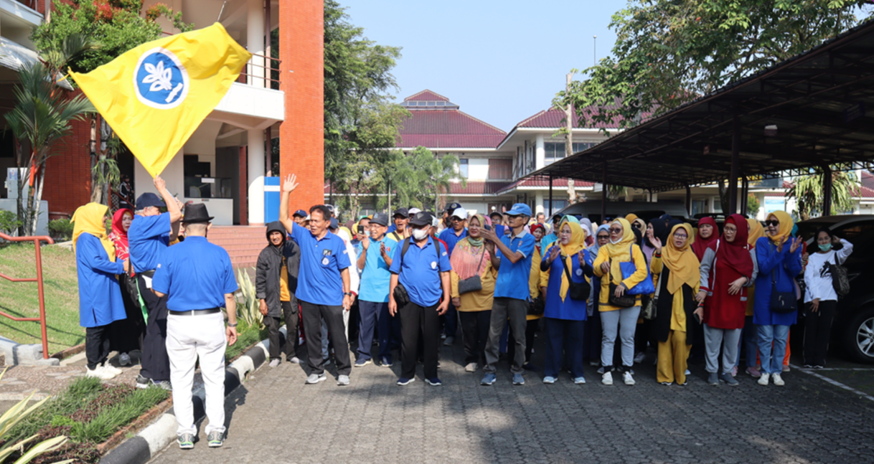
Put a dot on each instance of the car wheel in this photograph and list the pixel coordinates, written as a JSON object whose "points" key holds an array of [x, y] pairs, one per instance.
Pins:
{"points": [[860, 336]]}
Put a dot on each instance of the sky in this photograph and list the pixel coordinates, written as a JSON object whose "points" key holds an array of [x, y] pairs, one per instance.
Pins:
{"points": [[501, 61]]}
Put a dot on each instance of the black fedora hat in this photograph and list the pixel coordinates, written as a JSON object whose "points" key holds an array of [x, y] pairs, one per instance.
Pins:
{"points": [[196, 212]]}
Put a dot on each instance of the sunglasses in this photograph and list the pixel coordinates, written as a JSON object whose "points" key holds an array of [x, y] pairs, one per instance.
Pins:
{"points": [[772, 222], [616, 230], [603, 237]]}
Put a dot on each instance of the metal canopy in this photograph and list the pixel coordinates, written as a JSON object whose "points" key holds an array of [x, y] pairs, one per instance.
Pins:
{"points": [[818, 100]]}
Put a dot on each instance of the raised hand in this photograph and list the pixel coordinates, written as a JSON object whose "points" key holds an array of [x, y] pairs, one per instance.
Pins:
{"points": [[795, 244], [290, 183], [553, 253], [160, 184], [657, 244], [365, 243]]}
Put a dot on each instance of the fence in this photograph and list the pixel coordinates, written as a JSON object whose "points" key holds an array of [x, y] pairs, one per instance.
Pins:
{"points": [[38, 279]]}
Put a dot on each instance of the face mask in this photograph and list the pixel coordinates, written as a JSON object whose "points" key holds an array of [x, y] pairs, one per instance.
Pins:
{"points": [[826, 247], [420, 234]]}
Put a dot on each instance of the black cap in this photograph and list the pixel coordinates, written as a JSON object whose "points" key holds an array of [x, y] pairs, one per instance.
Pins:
{"points": [[403, 212], [380, 218], [196, 212], [421, 219], [452, 207], [496, 213], [149, 199]]}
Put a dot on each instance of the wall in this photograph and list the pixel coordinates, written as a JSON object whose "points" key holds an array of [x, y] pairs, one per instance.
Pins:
{"points": [[68, 175], [477, 169]]}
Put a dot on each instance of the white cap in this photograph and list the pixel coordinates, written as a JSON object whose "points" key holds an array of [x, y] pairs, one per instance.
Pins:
{"points": [[413, 211], [435, 221], [460, 213]]}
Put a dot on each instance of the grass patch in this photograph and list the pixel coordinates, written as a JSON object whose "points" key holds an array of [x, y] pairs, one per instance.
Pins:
{"points": [[111, 419], [246, 337], [81, 392], [21, 299]]}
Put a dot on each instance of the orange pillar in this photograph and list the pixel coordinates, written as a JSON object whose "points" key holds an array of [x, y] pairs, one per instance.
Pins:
{"points": [[301, 135]]}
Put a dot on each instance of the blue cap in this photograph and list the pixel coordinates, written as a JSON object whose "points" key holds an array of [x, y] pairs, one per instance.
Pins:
{"points": [[149, 199], [520, 209], [300, 213], [334, 224]]}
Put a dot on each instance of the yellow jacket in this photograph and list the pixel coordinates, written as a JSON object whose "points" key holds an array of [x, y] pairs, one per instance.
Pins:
{"points": [[640, 273]]}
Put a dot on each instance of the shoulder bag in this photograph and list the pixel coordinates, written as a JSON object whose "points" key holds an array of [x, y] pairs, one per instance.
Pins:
{"points": [[624, 301], [576, 290], [651, 310], [402, 297], [782, 302], [840, 279], [645, 286], [475, 283]]}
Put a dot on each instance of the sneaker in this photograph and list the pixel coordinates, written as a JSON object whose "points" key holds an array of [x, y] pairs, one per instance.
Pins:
{"points": [[734, 371], [124, 359], [729, 379], [763, 379], [274, 362], [712, 378], [362, 362], [808, 366], [215, 439], [186, 441], [448, 341], [753, 372], [403, 381], [579, 380], [594, 363], [786, 368], [294, 360], [683, 384], [639, 357], [443, 336], [688, 372], [98, 373], [435, 382], [602, 370], [112, 370], [549, 380], [315, 378], [607, 378], [385, 362], [667, 384], [778, 380], [472, 367], [142, 382], [518, 379], [628, 377], [488, 379], [162, 384], [818, 367], [343, 380]]}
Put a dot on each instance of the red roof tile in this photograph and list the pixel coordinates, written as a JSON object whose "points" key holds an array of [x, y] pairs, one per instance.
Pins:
{"points": [[553, 118], [477, 188], [426, 95], [448, 129]]}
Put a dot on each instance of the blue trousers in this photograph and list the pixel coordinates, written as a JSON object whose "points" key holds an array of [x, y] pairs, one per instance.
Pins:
{"points": [[567, 336], [368, 313], [450, 321], [772, 360], [388, 330]]}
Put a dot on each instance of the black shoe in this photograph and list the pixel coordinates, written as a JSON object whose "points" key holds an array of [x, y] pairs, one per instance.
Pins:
{"points": [[142, 382]]}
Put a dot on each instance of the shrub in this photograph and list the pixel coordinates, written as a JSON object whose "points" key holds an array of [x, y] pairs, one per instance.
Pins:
{"points": [[9, 222], [61, 228]]}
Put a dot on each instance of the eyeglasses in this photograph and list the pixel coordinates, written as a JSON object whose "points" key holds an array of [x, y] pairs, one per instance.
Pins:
{"points": [[616, 230], [681, 236], [772, 222]]}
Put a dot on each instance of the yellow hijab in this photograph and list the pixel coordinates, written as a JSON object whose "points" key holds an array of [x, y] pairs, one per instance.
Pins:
{"points": [[576, 244], [682, 262], [624, 244], [756, 231], [89, 218], [631, 217], [785, 227]]}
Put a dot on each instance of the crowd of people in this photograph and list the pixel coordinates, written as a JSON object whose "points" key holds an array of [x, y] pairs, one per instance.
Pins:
{"points": [[411, 283]]}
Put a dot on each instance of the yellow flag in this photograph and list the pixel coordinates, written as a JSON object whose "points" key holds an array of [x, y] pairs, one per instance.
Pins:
{"points": [[157, 94]]}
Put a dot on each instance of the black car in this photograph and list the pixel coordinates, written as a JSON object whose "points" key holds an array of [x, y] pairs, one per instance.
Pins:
{"points": [[853, 328]]}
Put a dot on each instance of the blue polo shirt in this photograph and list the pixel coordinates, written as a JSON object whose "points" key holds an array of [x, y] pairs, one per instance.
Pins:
{"points": [[376, 277], [449, 237], [195, 274], [421, 272], [319, 281], [513, 277], [148, 237]]}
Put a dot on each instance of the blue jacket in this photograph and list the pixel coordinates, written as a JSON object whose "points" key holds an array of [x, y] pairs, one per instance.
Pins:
{"points": [[100, 300], [569, 309], [783, 266]]}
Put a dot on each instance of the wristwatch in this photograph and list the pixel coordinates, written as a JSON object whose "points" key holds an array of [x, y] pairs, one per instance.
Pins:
{"points": [[347, 293], [231, 325]]}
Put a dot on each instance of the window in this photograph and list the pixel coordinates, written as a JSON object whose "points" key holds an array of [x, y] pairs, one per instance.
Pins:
{"points": [[463, 168], [559, 205], [500, 169]]}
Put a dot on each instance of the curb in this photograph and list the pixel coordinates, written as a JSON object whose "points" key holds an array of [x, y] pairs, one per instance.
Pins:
{"points": [[154, 438]]}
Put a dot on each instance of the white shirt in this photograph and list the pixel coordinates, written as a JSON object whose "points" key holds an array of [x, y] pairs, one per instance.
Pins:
{"points": [[818, 279]]}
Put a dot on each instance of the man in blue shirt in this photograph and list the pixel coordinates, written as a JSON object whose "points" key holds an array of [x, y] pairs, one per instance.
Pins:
{"points": [[452, 235], [198, 280], [375, 261], [512, 259], [422, 267], [149, 234], [323, 285]]}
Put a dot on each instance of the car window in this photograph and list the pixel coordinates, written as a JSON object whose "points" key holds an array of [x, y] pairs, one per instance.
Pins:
{"points": [[861, 235]]}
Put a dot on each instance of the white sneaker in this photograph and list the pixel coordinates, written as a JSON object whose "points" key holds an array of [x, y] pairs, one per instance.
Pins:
{"points": [[98, 373], [778, 380], [110, 368], [627, 377], [472, 367], [607, 378], [763, 380]]}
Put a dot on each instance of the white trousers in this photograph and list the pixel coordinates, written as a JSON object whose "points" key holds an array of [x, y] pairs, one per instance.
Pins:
{"points": [[190, 337]]}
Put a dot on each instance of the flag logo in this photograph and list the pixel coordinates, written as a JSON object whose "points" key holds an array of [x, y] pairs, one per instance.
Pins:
{"points": [[160, 80]]}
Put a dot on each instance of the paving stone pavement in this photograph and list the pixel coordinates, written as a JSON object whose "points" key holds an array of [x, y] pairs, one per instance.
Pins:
{"points": [[275, 418]]}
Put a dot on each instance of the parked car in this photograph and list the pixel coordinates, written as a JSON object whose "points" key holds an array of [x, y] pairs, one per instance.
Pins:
{"points": [[644, 210], [853, 328]]}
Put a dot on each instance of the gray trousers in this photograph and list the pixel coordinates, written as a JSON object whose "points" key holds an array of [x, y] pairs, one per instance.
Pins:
{"points": [[516, 311], [728, 340], [624, 322]]}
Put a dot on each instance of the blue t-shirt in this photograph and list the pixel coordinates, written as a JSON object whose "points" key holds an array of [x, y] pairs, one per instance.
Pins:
{"points": [[148, 237], [319, 281], [100, 300], [195, 274], [421, 272], [513, 277], [448, 236], [569, 309], [375, 278]]}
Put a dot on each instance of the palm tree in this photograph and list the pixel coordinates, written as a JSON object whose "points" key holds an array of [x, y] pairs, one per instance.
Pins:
{"points": [[41, 117], [808, 194], [420, 178]]}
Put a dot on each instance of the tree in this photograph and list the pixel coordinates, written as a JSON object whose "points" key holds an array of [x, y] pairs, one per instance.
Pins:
{"points": [[669, 52], [808, 194], [753, 205], [420, 178]]}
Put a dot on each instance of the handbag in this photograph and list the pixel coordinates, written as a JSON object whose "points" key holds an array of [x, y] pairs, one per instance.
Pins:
{"points": [[536, 307], [475, 283], [651, 310], [624, 301], [402, 297], [840, 279], [782, 302], [578, 291], [645, 286]]}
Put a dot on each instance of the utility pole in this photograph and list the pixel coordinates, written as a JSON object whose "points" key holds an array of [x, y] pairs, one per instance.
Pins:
{"points": [[568, 116]]}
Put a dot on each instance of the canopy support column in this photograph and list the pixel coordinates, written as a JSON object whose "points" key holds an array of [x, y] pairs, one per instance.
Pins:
{"points": [[744, 193], [735, 167], [689, 201], [826, 190], [551, 207], [604, 191]]}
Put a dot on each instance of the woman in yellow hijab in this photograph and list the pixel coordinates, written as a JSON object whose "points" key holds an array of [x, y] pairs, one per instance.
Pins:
{"points": [[565, 317], [100, 302], [677, 271], [615, 320]]}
